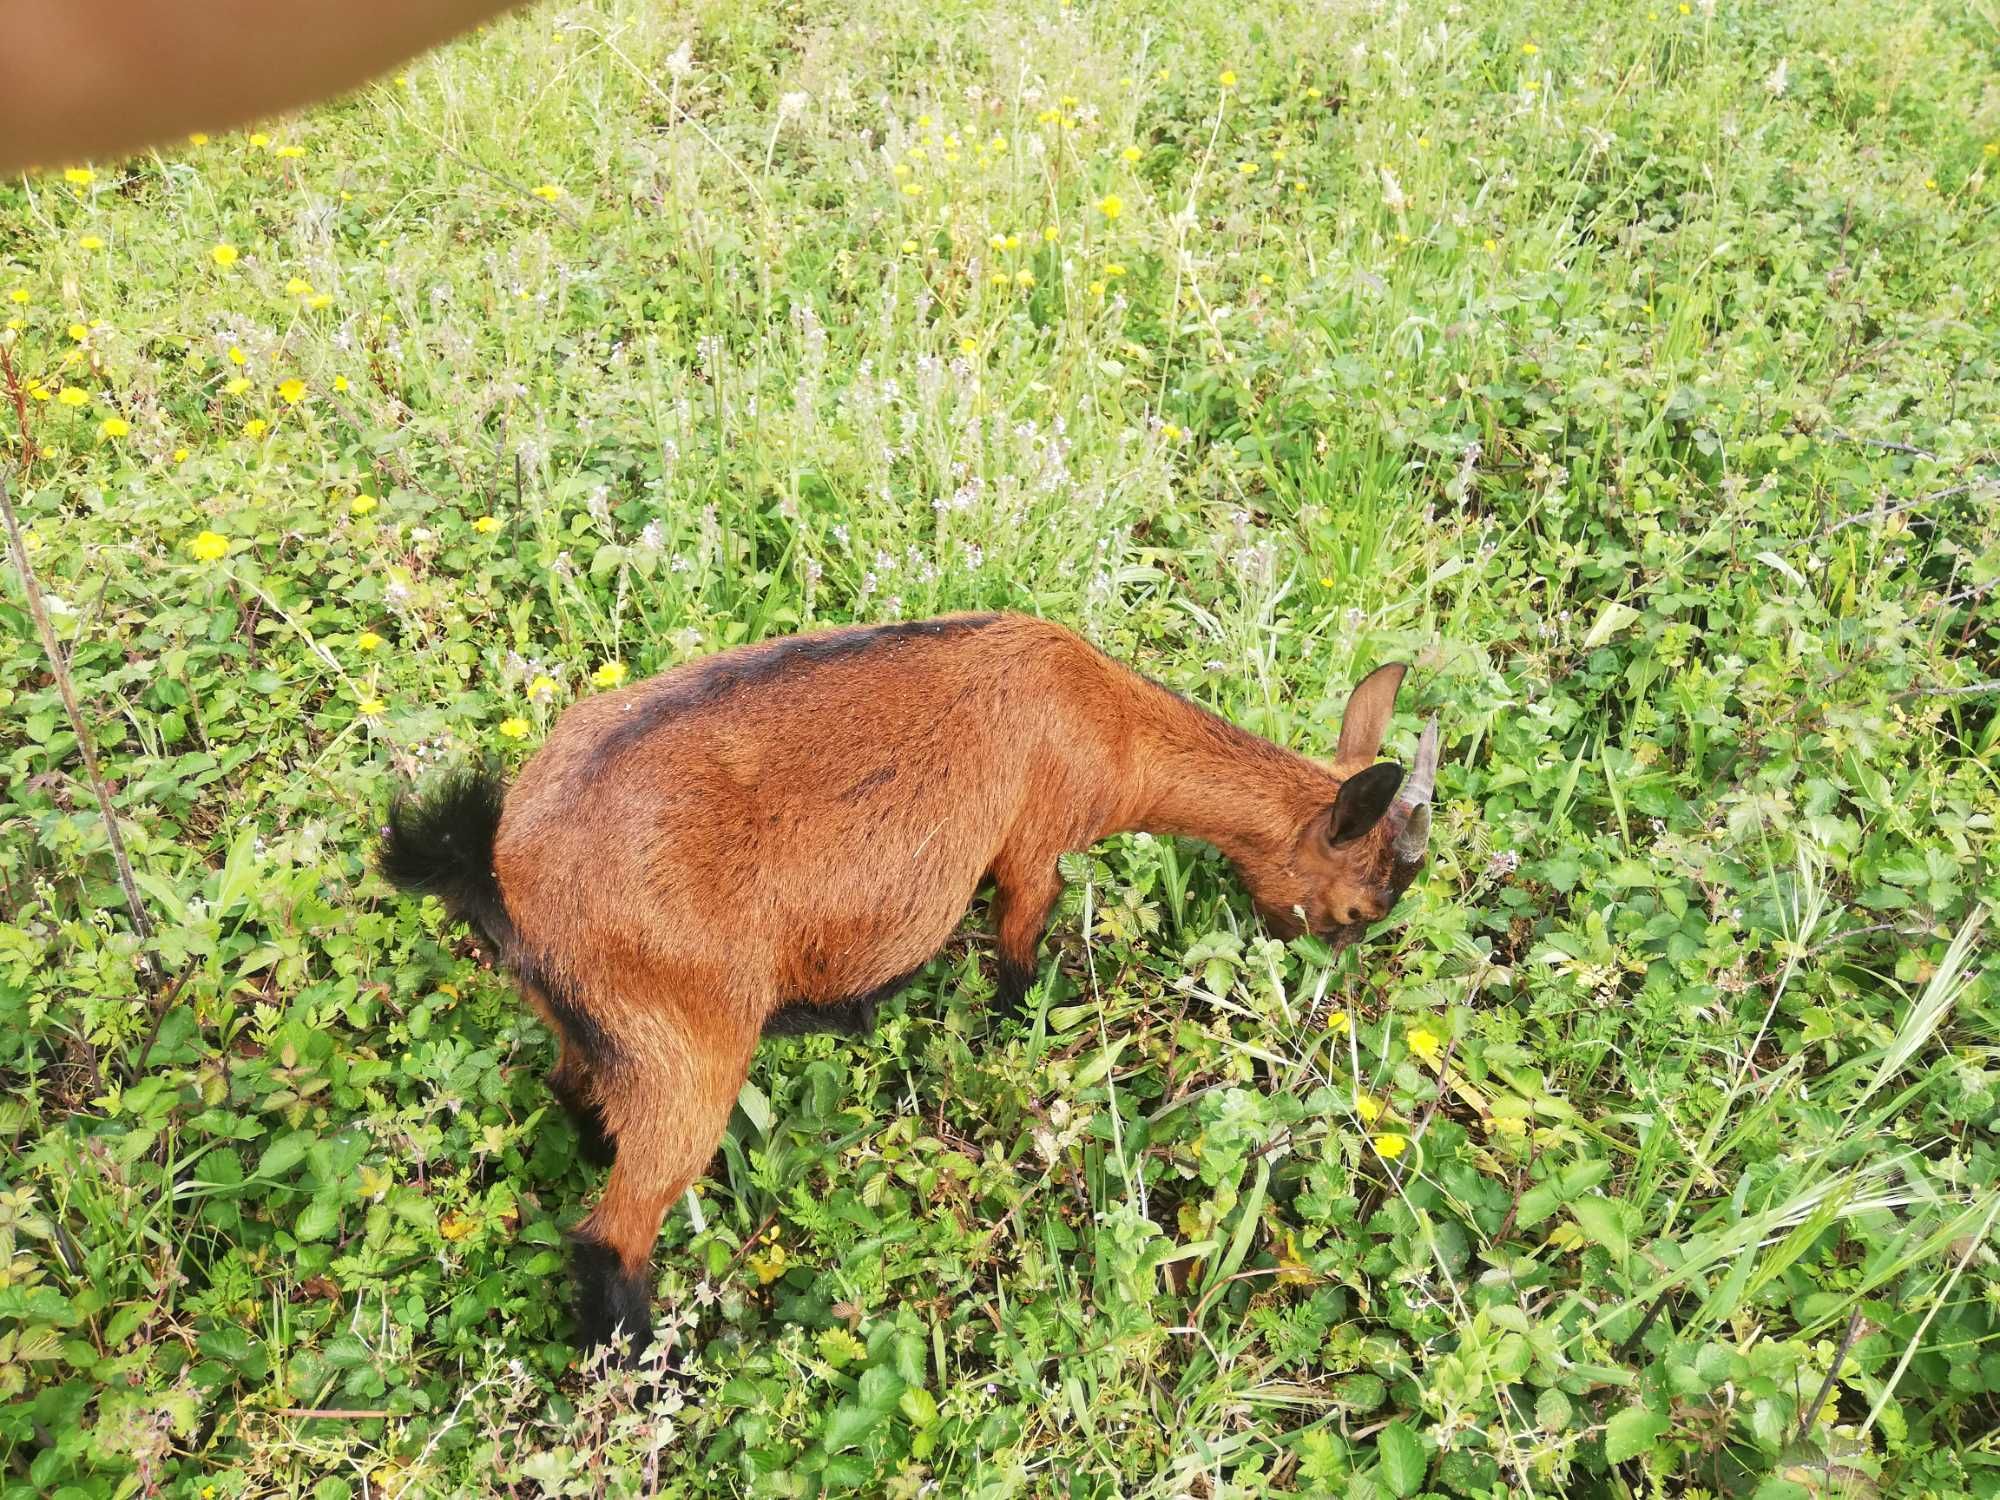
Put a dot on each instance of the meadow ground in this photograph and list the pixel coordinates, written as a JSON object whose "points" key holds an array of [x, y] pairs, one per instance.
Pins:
{"points": [[1631, 368]]}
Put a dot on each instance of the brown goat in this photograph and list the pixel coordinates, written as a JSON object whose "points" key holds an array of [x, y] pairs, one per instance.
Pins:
{"points": [[777, 837]]}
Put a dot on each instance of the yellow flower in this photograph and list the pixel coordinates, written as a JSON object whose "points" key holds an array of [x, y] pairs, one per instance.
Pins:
{"points": [[1013, 242], [1390, 1145], [90, 242], [968, 347], [1529, 49], [256, 427], [997, 241], [39, 391], [515, 727], [899, 170], [1050, 234], [292, 391], [290, 153], [486, 525], [1228, 79], [548, 192], [198, 138], [18, 294], [1024, 277], [1131, 153], [360, 505], [912, 189], [1368, 1107], [209, 546], [319, 301], [223, 255], [1931, 183], [236, 355], [909, 247], [1338, 1023], [1097, 289], [542, 689], [114, 427], [340, 382], [1248, 168], [1490, 246], [1172, 434], [236, 385], [609, 675], [1113, 268], [298, 286], [1532, 84], [181, 455], [259, 139], [368, 640], [371, 705], [70, 395], [1110, 205], [80, 176], [78, 332], [1423, 1043]]}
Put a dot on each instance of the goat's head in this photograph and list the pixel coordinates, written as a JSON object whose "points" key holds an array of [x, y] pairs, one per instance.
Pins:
{"points": [[1354, 857]]}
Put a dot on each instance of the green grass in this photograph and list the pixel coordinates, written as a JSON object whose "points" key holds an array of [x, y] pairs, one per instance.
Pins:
{"points": [[1648, 407]]}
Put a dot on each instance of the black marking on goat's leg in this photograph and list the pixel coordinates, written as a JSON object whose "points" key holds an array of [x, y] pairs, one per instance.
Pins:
{"points": [[854, 1016], [594, 1142], [610, 1301], [1011, 989]]}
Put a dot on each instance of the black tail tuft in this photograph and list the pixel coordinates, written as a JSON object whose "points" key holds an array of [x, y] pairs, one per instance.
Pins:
{"points": [[441, 843]]}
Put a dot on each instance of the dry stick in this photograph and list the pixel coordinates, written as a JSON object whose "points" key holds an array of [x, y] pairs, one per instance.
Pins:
{"points": [[1832, 1374], [60, 668]]}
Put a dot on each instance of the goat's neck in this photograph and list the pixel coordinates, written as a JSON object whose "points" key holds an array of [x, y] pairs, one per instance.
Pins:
{"points": [[1199, 776]]}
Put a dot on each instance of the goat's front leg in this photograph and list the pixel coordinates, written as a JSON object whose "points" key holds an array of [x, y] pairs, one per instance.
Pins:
{"points": [[1025, 891]]}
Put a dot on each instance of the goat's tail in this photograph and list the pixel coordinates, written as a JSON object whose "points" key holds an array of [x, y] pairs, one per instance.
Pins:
{"points": [[441, 843]]}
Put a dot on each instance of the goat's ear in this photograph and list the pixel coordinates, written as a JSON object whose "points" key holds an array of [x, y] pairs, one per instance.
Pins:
{"points": [[1362, 801], [1367, 718]]}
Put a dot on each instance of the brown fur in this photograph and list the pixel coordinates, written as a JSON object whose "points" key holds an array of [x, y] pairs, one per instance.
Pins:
{"points": [[807, 819]]}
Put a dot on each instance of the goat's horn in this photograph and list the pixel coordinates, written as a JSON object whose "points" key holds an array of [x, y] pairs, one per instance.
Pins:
{"points": [[1414, 797]]}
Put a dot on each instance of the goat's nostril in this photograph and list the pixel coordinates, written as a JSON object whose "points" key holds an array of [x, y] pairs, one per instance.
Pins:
{"points": [[1353, 915]]}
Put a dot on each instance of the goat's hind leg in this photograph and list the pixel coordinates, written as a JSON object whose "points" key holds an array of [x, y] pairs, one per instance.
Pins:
{"points": [[582, 1049], [666, 1095]]}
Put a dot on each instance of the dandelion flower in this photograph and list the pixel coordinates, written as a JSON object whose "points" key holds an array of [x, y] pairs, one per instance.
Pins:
{"points": [[1097, 289], [114, 427], [79, 176], [298, 286], [1050, 234], [1131, 153], [1228, 79], [486, 525], [968, 347], [1110, 205], [610, 675], [259, 139], [1490, 246], [236, 385], [548, 192], [1390, 1145], [340, 382], [1248, 168], [90, 242], [78, 332], [371, 706], [1424, 1043], [71, 395], [368, 640], [515, 727], [255, 428], [1367, 1105], [909, 247], [361, 504], [1113, 269], [319, 301], [542, 689], [181, 455], [292, 391], [18, 294], [223, 255], [997, 241], [198, 138], [209, 546], [290, 153], [236, 355], [1529, 49], [1172, 433]]}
